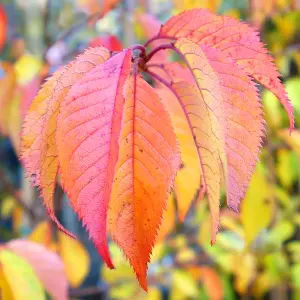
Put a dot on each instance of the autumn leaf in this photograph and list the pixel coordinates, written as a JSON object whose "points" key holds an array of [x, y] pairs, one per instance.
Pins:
{"points": [[234, 39], [144, 174], [100, 126]]}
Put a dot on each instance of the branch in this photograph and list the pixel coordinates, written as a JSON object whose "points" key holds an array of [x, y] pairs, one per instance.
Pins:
{"points": [[11, 190], [159, 37], [158, 49]]}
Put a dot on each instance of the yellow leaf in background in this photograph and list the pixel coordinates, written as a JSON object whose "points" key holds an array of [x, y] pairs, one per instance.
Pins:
{"points": [[42, 234], [154, 293], [230, 220], [262, 284], [234, 13], [292, 87], [5, 290], [12, 120], [17, 217], [20, 277], [180, 5], [7, 86], [293, 140], [286, 26], [272, 110], [257, 208], [286, 168], [245, 266], [27, 67], [7, 205], [75, 257], [184, 286], [282, 231], [185, 255], [122, 278]]}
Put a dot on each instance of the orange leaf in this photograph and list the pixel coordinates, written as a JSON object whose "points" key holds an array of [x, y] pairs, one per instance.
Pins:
{"points": [[234, 39], [87, 136], [145, 171], [211, 281], [205, 113]]}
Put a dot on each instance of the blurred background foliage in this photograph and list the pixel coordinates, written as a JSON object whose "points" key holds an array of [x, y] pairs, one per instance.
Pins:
{"points": [[257, 254]]}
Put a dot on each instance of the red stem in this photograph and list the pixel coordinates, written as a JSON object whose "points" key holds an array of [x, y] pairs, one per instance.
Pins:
{"points": [[159, 48], [159, 37], [141, 48]]}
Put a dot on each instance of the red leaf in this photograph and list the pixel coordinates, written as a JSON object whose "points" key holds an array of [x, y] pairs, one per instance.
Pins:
{"points": [[3, 26], [234, 39], [87, 136]]}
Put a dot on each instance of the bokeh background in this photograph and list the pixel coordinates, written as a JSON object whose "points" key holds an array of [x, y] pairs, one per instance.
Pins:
{"points": [[257, 254]]}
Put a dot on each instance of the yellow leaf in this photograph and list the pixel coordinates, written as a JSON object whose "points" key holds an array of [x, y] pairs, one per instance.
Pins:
{"points": [[257, 208], [27, 67], [212, 5], [154, 293], [20, 277], [286, 168], [7, 87], [186, 254], [7, 206], [5, 290], [42, 234], [17, 218], [245, 271], [183, 285], [75, 258], [293, 140], [12, 120], [272, 110]]}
